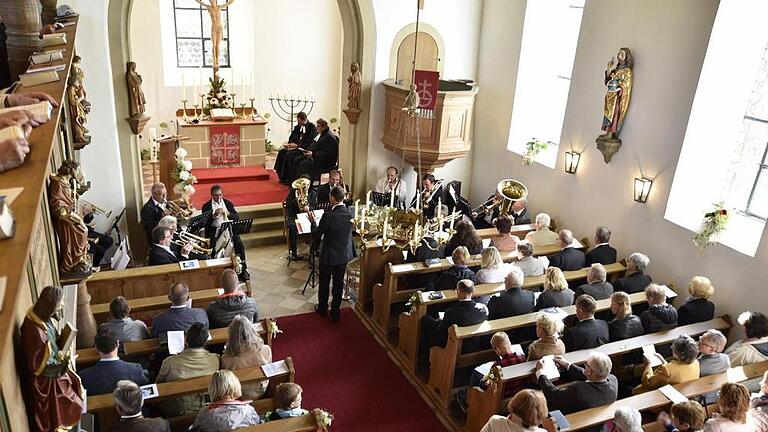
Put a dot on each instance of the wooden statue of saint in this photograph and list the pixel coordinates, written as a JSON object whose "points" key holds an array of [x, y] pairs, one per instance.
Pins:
{"points": [[78, 112], [136, 98], [354, 82], [52, 389], [618, 81], [70, 228], [217, 29]]}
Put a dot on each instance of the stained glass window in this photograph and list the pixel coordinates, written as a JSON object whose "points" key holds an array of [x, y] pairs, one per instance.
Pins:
{"points": [[193, 35]]}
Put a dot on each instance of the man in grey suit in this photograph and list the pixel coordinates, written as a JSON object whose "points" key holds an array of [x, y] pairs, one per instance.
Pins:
{"points": [[128, 403], [594, 385], [180, 316], [596, 285]]}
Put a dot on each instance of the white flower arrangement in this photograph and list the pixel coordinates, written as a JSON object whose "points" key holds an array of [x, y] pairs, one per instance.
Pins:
{"points": [[184, 174], [187, 164], [181, 153], [274, 330], [189, 189], [324, 419]]}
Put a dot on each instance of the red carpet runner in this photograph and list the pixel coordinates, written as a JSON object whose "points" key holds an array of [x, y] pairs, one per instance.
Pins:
{"points": [[343, 370], [242, 188]]}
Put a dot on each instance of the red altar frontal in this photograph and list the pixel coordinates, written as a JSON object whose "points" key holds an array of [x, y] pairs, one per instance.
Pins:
{"points": [[213, 144]]}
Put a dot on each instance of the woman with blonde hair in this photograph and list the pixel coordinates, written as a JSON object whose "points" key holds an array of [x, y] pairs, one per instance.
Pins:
{"points": [[556, 292], [226, 412], [548, 329], [624, 325], [527, 410], [734, 406], [697, 307], [244, 349], [492, 268]]}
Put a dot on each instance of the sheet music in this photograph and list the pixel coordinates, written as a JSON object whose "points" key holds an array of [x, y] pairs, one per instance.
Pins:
{"points": [[189, 265], [259, 327], [175, 342], [668, 292], [484, 369], [550, 368], [276, 368], [303, 225], [649, 352], [486, 243], [672, 394], [557, 312]]}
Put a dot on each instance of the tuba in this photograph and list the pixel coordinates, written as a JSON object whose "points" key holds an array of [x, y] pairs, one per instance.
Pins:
{"points": [[511, 191], [301, 185]]}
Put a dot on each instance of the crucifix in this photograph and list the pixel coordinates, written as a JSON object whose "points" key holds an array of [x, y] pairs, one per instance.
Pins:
{"points": [[217, 31]]}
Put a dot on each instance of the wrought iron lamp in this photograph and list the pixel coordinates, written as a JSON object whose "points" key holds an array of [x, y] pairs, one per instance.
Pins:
{"points": [[572, 162], [642, 189]]}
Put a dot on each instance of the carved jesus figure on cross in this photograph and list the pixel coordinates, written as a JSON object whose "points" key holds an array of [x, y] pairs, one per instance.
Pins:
{"points": [[217, 30]]}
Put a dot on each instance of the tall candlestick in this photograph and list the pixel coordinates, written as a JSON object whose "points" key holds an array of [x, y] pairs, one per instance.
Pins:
{"points": [[357, 209], [453, 219], [439, 207], [253, 87], [153, 143], [368, 199], [386, 225], [184, 86], [392, 198]]}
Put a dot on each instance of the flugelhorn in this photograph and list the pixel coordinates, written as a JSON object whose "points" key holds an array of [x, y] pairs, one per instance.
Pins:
{"points": [[177, 211], [94, 208], [425, 202], [186, 236]]}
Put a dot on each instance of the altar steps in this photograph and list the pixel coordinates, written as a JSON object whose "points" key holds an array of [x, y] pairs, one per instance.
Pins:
{"points": [[267, 227]]}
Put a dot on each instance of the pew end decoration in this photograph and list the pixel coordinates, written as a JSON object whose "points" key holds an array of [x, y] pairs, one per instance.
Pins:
{"points": [[533, 148], [185, 181], [324, 419], [712, 225], [274, 330]]}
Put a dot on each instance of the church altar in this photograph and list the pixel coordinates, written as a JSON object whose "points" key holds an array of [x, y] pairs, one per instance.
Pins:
{"points": [[236, 142]]}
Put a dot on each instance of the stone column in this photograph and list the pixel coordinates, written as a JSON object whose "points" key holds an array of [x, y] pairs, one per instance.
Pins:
{"points": [[49, 11], [22, 21], [86, 324]]}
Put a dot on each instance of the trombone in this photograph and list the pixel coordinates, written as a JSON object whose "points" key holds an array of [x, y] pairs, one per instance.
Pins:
{"points": [[94, 208]]}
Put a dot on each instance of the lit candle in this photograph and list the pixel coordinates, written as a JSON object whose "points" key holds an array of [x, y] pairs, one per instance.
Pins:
{"points": [[418, 199], [357, 209], [362, 221], [386, 225], [368, 199], [253, 87], [184, 86], [439, 207], [453, 219], [392, 198]]}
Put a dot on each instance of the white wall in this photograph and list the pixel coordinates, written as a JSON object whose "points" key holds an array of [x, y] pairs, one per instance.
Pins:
{"points": [[669, 40], [458, 23], [101, 159], [292, 46]]}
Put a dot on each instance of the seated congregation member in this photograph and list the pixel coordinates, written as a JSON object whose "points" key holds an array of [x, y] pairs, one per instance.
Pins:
{"points": [[529, 264], [334, 180], [687, 416], [129, 400], [102, 377], [288, 402], [194, 361], [514, 300], [504, 240], [596, 285], [683, 367], [548, 330], [626, 419], [593, 385], [697, 307], [292, 209], [161, 252], [245, 348], [14, 150], [225, 412], [624, 325], [466, 235], [180, 316], [428, 249], [232, 303], [602, 253], [125, 328], [569, 258], [492, 268], [636, 280], [302, 136], [588, 332], [733, 407], [754, 347], [556, 292], [322, 155], [758, 406], [154, 209], [542, 236], [458, 271], [519, 212], [392, 181], [711, 358], [660, 315], [527, 410]]}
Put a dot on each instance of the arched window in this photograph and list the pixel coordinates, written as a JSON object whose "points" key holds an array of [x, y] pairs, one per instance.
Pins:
{"points": [[193, 35]]}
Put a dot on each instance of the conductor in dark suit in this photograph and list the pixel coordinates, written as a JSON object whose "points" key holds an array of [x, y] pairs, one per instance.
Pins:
{"points": [[336, 250], [602, 253], [588, 332], [161, 253], [128, 403], [102, 377], [154, 209], [301, 138], [292, 209], [222, 210], [593, 385], [322, 155], [569, 258]]}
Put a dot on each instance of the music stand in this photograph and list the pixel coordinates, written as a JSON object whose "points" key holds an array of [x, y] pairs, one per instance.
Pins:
{"points": [[383, 199], [115, 226], [199, 222], [324, 206], [242, 226], [314, 273]]}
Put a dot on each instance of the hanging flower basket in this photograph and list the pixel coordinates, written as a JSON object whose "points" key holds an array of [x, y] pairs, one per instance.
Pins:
{"points": [[532, 149], [713, 224]]}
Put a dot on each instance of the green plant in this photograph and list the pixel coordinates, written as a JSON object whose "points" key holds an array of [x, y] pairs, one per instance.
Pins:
{"points": [[713, 224], [533, 148]]}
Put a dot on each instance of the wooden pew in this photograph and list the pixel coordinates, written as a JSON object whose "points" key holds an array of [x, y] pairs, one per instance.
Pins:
{"points": [[655, 399], [385, 294], [409, 323], [200, 299], [305, 423], [89, 356], [104, 405], [484, 403], [519, 230]]}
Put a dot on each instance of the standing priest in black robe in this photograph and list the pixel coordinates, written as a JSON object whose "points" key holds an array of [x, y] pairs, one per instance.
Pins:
{"points": [[302, 136], [223, 210], [322, 155]]}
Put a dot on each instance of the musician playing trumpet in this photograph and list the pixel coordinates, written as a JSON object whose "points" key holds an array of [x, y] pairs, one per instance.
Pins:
{"points": [[161, 252], [179, 242], [308, 199], [334, 179], [222, 211], [392, 181], [431, 191], [484, 215], [154, 209]]}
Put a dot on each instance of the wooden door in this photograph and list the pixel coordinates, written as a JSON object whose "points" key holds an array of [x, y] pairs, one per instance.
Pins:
{"points": [[427, 56]]}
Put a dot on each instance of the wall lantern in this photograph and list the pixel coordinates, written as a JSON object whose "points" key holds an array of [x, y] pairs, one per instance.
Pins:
{"points": [[642, 189], [572, 162]]}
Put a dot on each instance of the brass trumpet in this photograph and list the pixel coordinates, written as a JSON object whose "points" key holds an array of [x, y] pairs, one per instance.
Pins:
{"points": [[189, 237], [177, 211], [94, 208], [195, 247]]}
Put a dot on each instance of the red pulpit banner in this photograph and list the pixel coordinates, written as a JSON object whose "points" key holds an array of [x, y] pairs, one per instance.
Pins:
{"points": [[225, 145], [427, 83]]}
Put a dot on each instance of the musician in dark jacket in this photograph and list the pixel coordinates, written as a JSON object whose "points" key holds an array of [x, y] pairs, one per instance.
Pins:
{"points": [[697, 308], [302, 136], [292, 209], [102, 377], [458, 271], [334, 179], [161, 252], [428, 249], [336, 250], [519, 212], [596, 285], [154, 209], [223, 210], [569, 258], [589, 332], [602, 253], [128, 403], [322, 155], [636, 280], [483, 218], [430, 195]]}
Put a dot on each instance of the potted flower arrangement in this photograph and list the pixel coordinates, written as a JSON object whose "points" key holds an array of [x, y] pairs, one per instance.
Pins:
{"points": [[217, 95], [713, 224], [184, 179]]}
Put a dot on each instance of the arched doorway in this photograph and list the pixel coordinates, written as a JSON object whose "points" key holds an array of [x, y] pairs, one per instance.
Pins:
{"points": [[427, 56]]}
